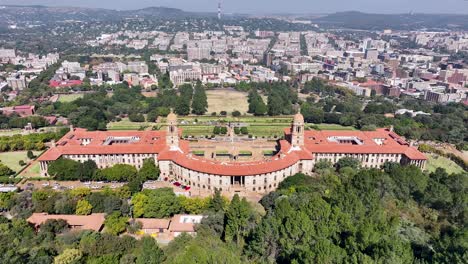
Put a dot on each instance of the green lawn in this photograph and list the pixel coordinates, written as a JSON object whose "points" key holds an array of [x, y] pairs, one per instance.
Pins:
{"points": [[34, 171], [435, 161], [11, 132], [126, 124], [242, 119], [334, 127], [65, 98], [259, 127], [11, 159], [202, 125]]}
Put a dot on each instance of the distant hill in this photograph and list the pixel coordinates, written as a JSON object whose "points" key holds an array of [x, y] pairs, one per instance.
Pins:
{"points": [[352, 19], [50, 14], [359, 20]]}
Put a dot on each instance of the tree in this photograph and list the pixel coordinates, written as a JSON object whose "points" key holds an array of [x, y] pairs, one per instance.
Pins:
{"points": [[86, 170], [64, 205], [105, 259], [200, 101], [157, 203], [244, 130], [165, 81], [30, 155], [115, 223], [136, 118], [22, 205], [193, 205], [135, 184], [206, 248], [149, 170], [236, 113], [217, 203], [323, 165], [83, 207], [54, 226], [260, 108], [5, 171], [348, 162], [118, 172], [409, 180], [68, 256], [183, 106], [134, 226], [312, 114], [236, 219], [149, 251], [63, 169]]}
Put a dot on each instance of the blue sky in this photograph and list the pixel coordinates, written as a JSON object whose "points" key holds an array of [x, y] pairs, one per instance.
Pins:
{"points": [[271, 6]]}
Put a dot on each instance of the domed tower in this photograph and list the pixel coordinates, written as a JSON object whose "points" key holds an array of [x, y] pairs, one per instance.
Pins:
{"points": [[172, 136], [297, 135]]}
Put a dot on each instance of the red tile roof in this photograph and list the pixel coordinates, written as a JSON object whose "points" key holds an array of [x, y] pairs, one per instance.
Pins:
{"points": [[178, 226], [65, 83], [284, 159], [153, 142], [82, 222], [153, 223], [148, 142], [318, 142]]}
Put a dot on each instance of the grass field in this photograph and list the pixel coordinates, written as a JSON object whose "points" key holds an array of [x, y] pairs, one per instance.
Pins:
{"points": [[334, 127], [257, 129], [11, 159], [227, 100], [436, 161], [203, 125], [64, 98], [10, 132], [34, 171], [126, 124]]}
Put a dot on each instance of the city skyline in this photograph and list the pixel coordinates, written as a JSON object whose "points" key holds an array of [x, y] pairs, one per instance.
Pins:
{"points": [[258, 7]]}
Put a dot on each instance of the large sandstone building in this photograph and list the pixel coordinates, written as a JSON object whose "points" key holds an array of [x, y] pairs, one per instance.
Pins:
{"points": [[197, 165]]}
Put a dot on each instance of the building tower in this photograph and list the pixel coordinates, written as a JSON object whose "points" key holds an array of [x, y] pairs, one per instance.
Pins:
{"points": [[219, 10], [297, 135], [172, 136]]}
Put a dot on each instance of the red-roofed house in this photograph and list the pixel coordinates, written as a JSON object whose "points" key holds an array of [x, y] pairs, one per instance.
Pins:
{"points": [[21, 110], [77, 222], [65, 83], [184, 224]]}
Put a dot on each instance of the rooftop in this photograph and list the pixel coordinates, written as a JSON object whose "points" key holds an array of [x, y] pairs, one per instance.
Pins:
{"points": [[82, 222], [81, 142], [381, 141]]}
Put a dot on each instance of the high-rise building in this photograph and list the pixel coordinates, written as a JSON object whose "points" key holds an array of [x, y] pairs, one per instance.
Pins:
{"points": [[198, 53], [372, 54], [17, 82]]}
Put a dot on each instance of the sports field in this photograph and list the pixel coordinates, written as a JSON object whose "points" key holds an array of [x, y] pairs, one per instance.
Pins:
{"points": [[227, 100]]}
